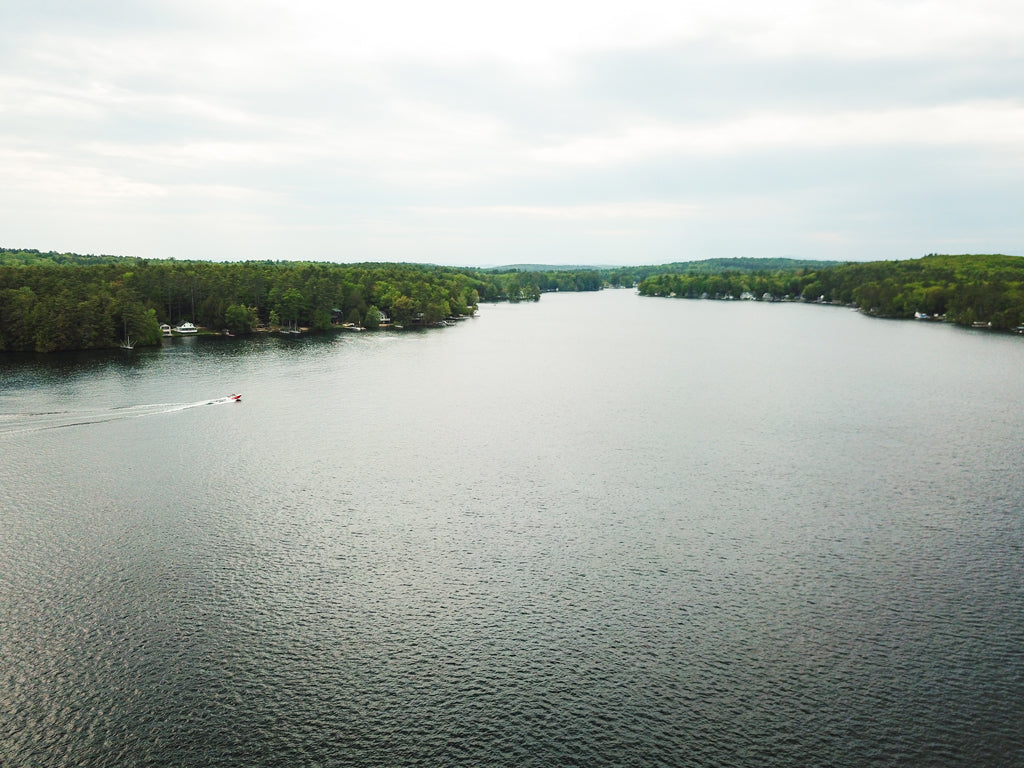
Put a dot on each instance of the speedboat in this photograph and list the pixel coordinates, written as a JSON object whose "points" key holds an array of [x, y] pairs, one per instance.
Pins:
{"points": [[236, 398]]}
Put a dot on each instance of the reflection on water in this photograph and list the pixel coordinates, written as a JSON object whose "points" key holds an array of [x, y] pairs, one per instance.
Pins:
{"points": [[598, 530]]}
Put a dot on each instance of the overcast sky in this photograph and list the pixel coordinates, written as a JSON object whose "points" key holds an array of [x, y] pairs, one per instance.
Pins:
{"points": [[462, 132]]}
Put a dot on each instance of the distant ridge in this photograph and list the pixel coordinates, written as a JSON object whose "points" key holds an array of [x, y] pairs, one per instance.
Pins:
{"points": [[738, 264], [741, 264], [551, 268]]}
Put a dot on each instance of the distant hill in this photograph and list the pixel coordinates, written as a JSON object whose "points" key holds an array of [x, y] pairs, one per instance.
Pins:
{"points": [[550, 268], [704, 266], [25, 256]]}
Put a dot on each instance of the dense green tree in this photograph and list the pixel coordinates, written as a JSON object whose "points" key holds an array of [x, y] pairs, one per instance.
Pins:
{"points": [[372, 319], [239, 318], [320, 319], [402, 311]]}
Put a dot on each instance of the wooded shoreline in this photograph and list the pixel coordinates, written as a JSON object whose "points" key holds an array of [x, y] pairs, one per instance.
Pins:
{"points": [[51, 302], [969, 290]]}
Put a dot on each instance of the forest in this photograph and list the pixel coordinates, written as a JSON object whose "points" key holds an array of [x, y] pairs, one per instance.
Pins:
{"points": [[966, 289], [51, 301]]}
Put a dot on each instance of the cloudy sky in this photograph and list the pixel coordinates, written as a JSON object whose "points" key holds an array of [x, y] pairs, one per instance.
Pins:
{"points": [[463, 132]]}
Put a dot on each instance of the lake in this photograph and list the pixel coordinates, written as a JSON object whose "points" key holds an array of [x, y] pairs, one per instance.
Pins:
{"points": [[599, 530]]}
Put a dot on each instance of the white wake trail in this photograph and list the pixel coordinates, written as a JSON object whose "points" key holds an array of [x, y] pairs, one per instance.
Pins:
{"points": [[19, 423]]}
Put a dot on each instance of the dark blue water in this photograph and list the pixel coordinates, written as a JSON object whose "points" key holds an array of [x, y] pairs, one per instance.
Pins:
{"points": [[598, 530]]}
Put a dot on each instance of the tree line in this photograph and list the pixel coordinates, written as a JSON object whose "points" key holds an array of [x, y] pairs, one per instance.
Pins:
{"points": [[964, 289], [54, 301], [51, 301]]}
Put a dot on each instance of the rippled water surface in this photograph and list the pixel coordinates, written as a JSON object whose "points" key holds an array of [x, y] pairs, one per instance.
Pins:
{"points": [[597, 530]]}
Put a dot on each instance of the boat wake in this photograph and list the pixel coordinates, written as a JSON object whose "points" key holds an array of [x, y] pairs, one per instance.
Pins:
{"points": [[216, 401], [16, 423]]}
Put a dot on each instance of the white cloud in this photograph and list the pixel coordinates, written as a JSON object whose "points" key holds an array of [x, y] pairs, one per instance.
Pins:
{"points": [[531, 31], [870, 28], [52, 179], [653, 209], [194, 155], [405, 128], [983, 124]]}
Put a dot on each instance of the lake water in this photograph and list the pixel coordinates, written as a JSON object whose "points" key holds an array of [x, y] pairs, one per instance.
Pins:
{"points": [[601, 530]]}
